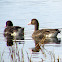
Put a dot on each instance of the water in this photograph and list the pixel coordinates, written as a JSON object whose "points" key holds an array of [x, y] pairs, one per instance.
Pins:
{"points": [[20, 12]]}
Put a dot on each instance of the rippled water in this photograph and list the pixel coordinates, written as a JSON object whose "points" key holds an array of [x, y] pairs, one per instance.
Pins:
{"points": [[20, 12]]}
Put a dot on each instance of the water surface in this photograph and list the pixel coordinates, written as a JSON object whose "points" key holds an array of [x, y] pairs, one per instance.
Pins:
{"points": [[49, 15]]}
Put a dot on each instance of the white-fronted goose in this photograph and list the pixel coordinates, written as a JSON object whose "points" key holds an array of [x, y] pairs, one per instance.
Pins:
{"points": [[43, 32]]}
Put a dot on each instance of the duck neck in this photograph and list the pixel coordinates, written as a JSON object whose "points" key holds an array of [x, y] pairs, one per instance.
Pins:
{"points": [[36, 26]]}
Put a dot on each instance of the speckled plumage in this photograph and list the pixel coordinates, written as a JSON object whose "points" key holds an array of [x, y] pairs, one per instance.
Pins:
{"points": [[15, 31]]}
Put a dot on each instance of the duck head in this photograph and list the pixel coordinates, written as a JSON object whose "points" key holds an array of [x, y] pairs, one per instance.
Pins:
{"points": [[9, 23], [35, 23]]}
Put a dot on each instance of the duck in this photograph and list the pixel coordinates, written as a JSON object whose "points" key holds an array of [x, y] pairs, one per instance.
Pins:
{"points": [[39, 35], [15, 31], [48, 33]]}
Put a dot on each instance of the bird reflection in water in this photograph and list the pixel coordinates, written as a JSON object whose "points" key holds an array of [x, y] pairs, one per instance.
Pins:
{"points": [[9, 39], [40, 42]]}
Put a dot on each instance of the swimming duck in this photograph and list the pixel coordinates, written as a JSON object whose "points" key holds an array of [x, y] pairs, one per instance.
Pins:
{"points": [[43, 32], [16, 31], [38, 35]]}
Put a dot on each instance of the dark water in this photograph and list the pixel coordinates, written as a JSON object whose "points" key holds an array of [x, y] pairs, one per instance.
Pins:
{"points": [[49, 14]]}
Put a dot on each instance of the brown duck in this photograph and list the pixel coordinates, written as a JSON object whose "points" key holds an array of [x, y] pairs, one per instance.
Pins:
{"points": [[39, 35], [43, 32]]}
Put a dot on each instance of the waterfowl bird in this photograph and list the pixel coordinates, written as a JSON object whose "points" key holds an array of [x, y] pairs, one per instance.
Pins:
{"points": [[43, 32], [38, 35], [16, 31]]}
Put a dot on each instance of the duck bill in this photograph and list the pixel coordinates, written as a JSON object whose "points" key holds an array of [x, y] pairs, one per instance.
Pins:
{"points": [[29, 23], [4, 26]]}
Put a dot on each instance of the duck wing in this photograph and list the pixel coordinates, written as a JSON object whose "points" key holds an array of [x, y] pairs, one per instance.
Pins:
{"points": [[43, 32]]}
